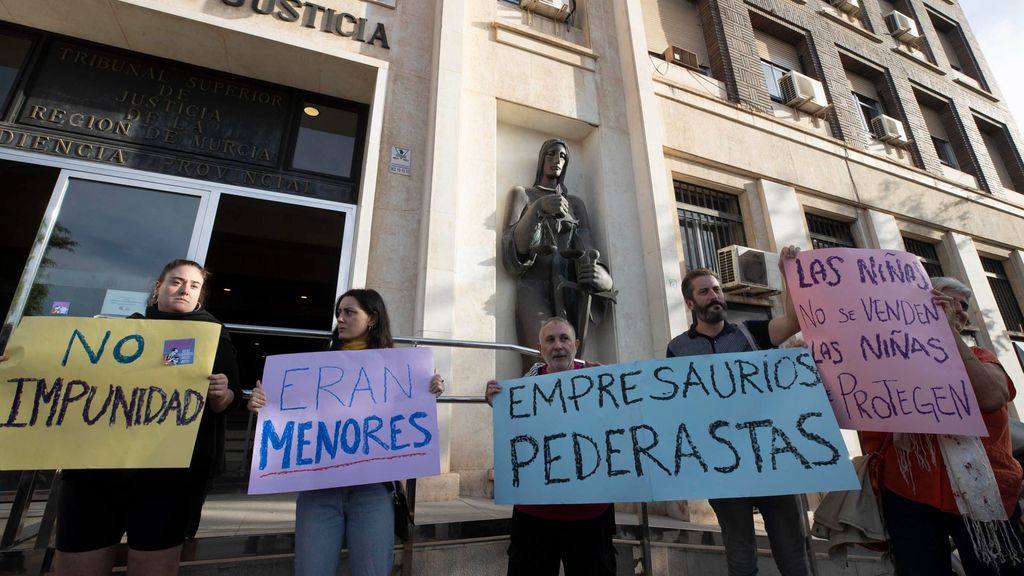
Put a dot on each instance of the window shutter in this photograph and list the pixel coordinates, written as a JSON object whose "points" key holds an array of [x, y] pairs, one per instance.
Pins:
{"points": [[933, 120], [777, 51], [674, 23], [863, 86]]}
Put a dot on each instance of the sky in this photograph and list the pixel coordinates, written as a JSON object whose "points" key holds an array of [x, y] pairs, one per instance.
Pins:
{"points": [[998, 26]]}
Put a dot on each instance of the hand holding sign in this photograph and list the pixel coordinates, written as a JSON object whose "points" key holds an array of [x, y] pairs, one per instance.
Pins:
{"points": [[218, 394], [258, 399]]}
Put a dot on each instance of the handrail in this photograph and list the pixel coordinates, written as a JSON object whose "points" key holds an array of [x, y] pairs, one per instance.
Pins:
{"points": [[411, 340], [461, 400], [468, 344], [277, 331]]}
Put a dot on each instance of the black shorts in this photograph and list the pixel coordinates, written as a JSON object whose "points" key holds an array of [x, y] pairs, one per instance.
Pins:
{"points": [[583, 547], [97, 507]]}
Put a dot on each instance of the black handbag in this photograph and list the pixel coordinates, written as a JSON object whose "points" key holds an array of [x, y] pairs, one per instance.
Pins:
{"points": [[403, 517]]}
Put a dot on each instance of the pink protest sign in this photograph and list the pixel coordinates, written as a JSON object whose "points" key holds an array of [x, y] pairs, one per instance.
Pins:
{"points": [[345, 418], [885, 351]]}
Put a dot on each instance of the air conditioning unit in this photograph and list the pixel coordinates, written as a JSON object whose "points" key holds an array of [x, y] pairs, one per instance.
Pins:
{"points": [[752, 272], [851, 7], [558, 10], [889, 129], [802, 92], [677, 55], [902, 27]]}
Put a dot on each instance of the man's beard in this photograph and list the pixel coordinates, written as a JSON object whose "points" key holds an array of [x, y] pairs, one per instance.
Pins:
{"points": [[709, 315]]}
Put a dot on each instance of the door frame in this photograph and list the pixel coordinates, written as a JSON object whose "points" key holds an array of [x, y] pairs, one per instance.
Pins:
{"points": [[208, 192]]}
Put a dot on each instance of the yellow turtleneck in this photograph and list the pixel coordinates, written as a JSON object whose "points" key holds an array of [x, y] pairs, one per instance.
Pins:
{"points": [[354, 345]]}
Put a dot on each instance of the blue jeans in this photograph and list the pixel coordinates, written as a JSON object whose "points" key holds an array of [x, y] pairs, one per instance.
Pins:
{"points": [[363, 516], [782, 521]]}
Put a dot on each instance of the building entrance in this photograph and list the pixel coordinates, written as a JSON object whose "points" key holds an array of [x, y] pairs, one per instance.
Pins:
{"points": [[82, 242]]}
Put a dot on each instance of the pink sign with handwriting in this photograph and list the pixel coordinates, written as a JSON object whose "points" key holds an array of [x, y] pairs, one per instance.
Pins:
{"points": [[345, 418], [886, 353]]}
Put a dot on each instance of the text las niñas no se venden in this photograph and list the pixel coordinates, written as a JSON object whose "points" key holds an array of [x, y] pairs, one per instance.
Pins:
{"points": [[894, 331]]}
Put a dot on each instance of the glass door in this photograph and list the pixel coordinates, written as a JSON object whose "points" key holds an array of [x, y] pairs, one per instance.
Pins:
{"points": [[109, 240], [277, 264]]}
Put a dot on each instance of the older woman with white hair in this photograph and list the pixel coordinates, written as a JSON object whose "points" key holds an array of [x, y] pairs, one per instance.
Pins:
{"points": [[935, 486]]}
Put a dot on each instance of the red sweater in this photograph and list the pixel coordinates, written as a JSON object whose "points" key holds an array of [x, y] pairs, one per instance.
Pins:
{"points": [[932, 487]]}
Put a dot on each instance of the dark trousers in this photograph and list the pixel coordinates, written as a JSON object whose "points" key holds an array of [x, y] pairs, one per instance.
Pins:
{"points": [[919, 539], [783, 520], [584, 547]]}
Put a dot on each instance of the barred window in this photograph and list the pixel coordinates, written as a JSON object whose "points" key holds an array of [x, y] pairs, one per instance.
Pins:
{"points": [[1009, 308], [925, 252], [829, 233], [708, 220]]}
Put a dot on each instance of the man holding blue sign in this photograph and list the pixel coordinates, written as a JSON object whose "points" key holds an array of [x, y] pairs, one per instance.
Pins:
{"points": [[577, 535], [711, 334]]}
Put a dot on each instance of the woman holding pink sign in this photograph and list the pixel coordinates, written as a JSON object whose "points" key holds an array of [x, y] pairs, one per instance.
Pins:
{"points": [[934, 487], [361, 515]]}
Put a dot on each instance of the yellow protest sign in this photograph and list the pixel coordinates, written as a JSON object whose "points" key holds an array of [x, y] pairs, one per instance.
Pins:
{"points": [[103, 393]]}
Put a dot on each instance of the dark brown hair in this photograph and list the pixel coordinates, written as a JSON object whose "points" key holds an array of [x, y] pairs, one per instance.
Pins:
{"points": [[371, 303], [693, 275], [183, 262]]}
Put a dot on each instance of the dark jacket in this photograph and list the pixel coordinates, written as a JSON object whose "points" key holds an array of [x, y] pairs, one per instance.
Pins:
{"points": [[208, 454]]}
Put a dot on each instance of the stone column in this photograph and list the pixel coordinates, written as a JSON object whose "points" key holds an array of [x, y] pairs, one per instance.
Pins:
{"points": [[783, 215], [657, 223], [883, 231], [435, 297]]}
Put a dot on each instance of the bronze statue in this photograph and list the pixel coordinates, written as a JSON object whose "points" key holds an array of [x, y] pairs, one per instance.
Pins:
{"points": [[547, 245]]}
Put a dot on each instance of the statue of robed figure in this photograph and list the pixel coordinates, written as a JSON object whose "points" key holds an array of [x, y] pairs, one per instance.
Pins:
{"points": [[548, 246]]}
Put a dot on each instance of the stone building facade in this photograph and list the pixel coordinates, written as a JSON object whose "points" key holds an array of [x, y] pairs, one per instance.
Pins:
{"points": [[441, 107]]}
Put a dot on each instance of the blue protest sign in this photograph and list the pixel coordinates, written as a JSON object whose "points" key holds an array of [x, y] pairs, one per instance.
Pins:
{"points": [[724, 425]]}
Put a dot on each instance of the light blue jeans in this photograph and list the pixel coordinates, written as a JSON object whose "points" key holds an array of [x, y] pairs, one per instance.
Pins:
{"points": [[363, 516]]}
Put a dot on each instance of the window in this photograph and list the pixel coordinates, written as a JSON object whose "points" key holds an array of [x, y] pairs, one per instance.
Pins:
{"points": [[829, 233], [945, 151], [955, 47], [869, 109], [926, 253], [778, 52], [1004, 155], [13, 51], [1009, 308], [676, 23], [873, 94], [708, 220], [940, 119], [326, 140], [772, 75]]}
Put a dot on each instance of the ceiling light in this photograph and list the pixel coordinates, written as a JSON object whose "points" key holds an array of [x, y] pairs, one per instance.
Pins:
{"points": [[304, 297], [311, 111], [227, 289]]}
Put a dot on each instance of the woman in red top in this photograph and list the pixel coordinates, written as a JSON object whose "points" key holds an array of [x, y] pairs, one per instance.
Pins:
{"points": [[917, 483]]}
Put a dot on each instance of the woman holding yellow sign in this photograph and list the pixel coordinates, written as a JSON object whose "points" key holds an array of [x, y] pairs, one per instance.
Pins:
{"points": [[361, 515], [156, 507]]}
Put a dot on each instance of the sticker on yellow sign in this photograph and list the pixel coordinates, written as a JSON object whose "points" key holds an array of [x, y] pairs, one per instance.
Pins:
{"points": [[102, 393]]}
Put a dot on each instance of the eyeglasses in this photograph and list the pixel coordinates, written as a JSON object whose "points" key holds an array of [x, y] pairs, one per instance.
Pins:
{"points": [[963, 304]]}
